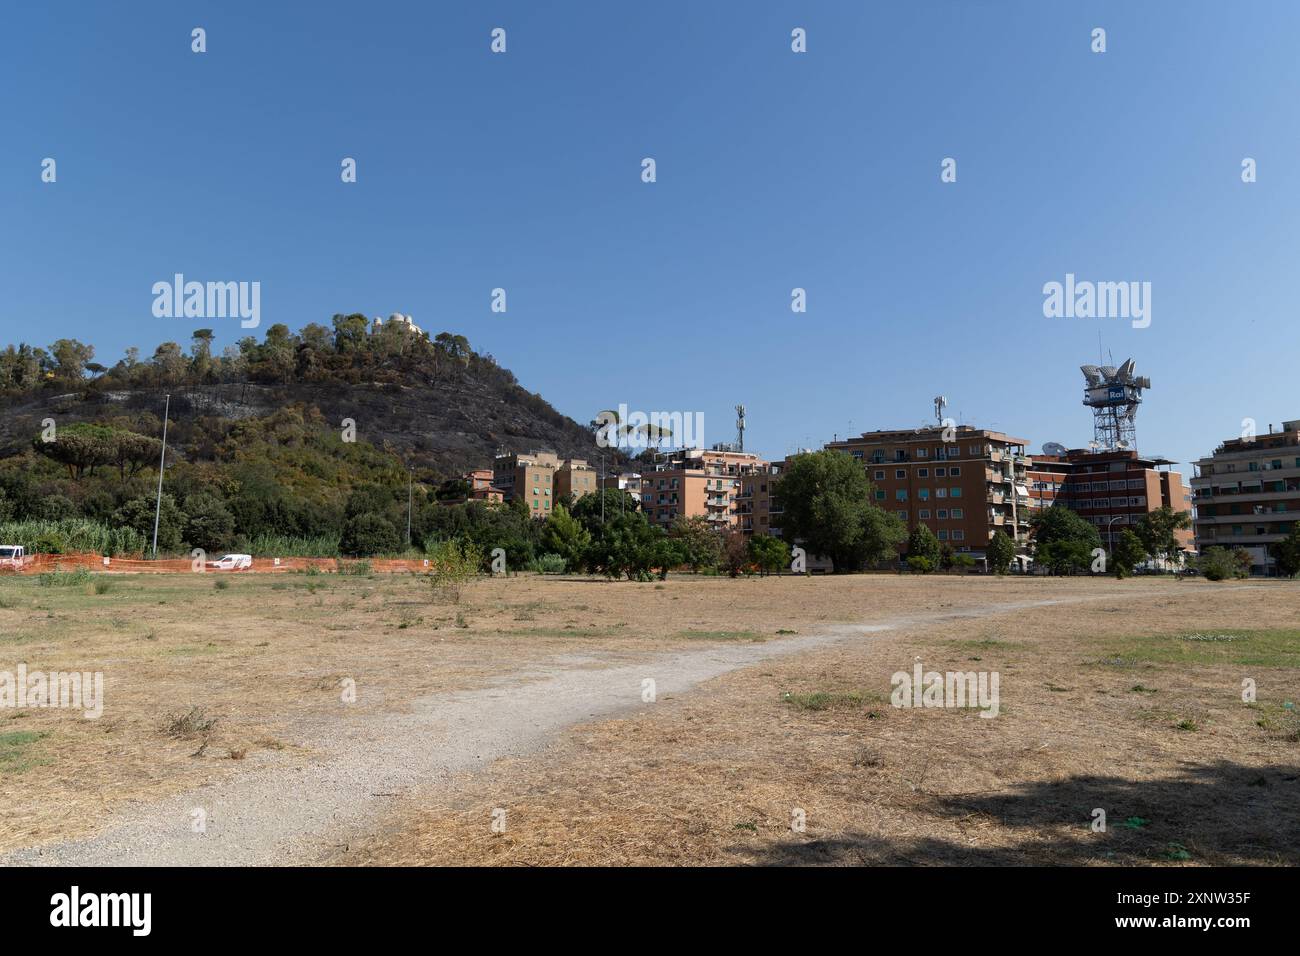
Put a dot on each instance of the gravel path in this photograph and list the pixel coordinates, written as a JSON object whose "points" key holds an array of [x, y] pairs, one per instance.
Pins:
{"points": [[296, 814]]}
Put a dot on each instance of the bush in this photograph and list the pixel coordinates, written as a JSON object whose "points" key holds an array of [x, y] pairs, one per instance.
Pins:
{"points": [[453, 565], [369, 534], [551, 564], [1219, 563], [918, 564]]}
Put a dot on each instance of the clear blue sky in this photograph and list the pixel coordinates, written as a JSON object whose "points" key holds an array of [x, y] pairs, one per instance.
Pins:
{"points": [[775, 170]]}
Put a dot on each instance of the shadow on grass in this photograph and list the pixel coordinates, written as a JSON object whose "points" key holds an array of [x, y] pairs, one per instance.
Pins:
{"points": [[1215, 814]]}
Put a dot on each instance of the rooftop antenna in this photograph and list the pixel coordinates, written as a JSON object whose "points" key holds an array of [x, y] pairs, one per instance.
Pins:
{"points": [[940, 403], [740, 427]]}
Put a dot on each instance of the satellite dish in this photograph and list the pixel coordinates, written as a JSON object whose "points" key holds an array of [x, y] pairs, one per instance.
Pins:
{"points": [[1054, 448], [1121, 444]]}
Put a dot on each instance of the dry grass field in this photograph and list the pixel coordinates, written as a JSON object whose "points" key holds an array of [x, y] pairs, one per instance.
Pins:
{"points": [[1123, 696]]}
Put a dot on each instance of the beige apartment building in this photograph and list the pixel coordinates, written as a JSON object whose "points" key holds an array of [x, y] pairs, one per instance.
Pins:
{"points": [[574, 477], [964, 483], [757, 506], [628, 481], [542, 478], [695, 482], [1247, 494]]}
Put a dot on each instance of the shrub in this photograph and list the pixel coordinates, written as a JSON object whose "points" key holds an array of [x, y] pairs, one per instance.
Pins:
{"points": [[919, 564], [551, 564], [453, 565], [369, 534]]}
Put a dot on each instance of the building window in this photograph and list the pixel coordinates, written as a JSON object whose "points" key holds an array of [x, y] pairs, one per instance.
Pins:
{"points": [[954, 493], [959, 535], [941, 472], [900, 473], [954, 471], [921, 453], [923, 513], [900, 494], [943, 514], [923, 494], [880, 495], [943, 534], [902, 514], [880, 474], [923, 472], [957, 514]]}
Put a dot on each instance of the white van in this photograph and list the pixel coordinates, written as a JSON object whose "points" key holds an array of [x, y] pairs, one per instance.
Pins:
{"points": [[232, 562], [11, 556]]}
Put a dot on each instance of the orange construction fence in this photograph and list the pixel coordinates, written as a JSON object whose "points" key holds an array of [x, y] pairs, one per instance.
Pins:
{"points": [[37, 563]]}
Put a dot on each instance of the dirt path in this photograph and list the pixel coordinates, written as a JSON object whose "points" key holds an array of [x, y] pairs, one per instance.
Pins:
{"points": [[298, 814]]}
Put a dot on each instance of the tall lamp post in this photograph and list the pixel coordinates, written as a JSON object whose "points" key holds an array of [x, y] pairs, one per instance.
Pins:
{"points": [[162, 460], [1110, 534]]}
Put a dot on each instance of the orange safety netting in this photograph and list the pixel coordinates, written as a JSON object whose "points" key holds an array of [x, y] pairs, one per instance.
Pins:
{"points": [[93, 562]]}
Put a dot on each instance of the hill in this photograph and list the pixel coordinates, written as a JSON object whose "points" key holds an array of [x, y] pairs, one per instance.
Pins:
{"points": [[292, 435]]}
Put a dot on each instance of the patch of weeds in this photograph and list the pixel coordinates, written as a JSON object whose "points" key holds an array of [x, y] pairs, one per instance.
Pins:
{"points": [[1188, 724], [187, 726], [786, 630], [748, 825], [1140, 689], [460, 620], [1276, 647], [14, 753], [752, 636], [1135, 823], [54, 579], [1175, 851], [825, 700], [237, 753], [103, 586], [221, 584]]}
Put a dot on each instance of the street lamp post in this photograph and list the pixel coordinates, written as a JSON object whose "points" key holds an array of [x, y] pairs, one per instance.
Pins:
{"points": [[162, 460]]}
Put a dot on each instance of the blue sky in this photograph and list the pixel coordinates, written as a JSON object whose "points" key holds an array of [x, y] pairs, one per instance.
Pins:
{"points": [[775, 171]]}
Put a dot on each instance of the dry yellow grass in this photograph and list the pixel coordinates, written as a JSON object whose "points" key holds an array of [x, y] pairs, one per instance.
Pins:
{"points": [[709, 778], [718, 777]]}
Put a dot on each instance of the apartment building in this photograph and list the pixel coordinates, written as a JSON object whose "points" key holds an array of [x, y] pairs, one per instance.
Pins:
{"points": [[626, 481], [1248, 493], [964, 483], [481, 487], [758, 508], [574, 477], [1111, 489], [694, 482], [530, 477]]}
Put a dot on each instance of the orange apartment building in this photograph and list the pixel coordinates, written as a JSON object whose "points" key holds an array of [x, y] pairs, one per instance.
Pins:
{"points": [[481, 487], [1111, 489], [964, 489], [697, 482], [1247, 494]]}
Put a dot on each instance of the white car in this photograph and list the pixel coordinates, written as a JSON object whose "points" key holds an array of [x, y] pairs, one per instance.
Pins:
{"points": [[11, 556], [232, 562]]}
